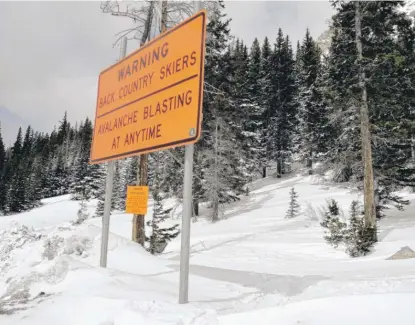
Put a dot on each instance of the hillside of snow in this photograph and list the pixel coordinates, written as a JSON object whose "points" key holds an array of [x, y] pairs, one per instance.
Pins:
{"points": [[252, 267]]}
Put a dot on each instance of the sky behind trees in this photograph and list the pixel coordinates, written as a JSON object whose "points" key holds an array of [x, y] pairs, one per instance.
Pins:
{"points": [[52, 52]]}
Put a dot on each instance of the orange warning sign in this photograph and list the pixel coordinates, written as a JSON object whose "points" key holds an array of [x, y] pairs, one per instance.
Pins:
{"points": [[137, 200], [152, 99]]}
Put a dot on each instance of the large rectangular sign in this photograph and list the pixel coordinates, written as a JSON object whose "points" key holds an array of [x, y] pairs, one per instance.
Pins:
{"points": [[152, 99]]}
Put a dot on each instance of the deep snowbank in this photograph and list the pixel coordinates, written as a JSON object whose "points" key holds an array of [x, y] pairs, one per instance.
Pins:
{"points": [[252, 267]]}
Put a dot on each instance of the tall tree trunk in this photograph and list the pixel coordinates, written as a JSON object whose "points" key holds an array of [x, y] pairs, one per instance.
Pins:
{"points": [[369, 205], [147, 24], [196, 207], [309, 163], [138, 219], [279, 167], [215, 203], [138, 234]]}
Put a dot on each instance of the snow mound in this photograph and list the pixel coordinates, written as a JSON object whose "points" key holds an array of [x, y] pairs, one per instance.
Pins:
{"points": [[347, 310], [165, 313], [46, 271], [404, 253]]}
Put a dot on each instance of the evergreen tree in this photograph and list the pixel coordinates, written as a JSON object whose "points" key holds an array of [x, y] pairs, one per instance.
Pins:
{"points": [[247, 98], [96, 179], [220, 158], [159, 235], [2, 169], [253, 79], [131, 171], [2, 153], [335, 228], [336, 231], [294, 207], [265, 103], [16, 190], [313, 115], [118, 197], [333, 210], [81, 187], [63, 130], [283, 107], [242, 116], [99, 211], [359, 240], [388, 51]]}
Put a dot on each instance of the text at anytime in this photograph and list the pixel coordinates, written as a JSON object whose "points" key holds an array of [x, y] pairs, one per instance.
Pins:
{"points": [[180, 101]]}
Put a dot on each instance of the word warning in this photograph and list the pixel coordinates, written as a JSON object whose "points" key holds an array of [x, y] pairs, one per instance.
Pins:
{"points": [[152, 99], [137, 200]]}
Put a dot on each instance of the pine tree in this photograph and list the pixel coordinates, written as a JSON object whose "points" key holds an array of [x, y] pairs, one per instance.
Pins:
{"points": [[283, 107], [2, 153], [359, 240], [173, 173], [294, 207], [81, 179], [2, 170], [220, 159], [118, 196], [63, 130], [265, 103], [254, 72], [242, 117], [246, 96], [333, 210], [313, 114], [16, 190], [336, 231], [159, 236], [335, 228], [100, 193], [388, 51]]}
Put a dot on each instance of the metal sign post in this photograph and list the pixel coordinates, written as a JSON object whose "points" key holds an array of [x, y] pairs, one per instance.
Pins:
{"points": [[108, 191], [187, 213]]}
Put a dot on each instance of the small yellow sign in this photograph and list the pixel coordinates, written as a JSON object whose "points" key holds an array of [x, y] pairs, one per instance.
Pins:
{"points": [[137, 200]]}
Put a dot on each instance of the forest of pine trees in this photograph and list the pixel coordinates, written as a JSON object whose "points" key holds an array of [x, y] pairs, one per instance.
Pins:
{"points": [[264, 105]]}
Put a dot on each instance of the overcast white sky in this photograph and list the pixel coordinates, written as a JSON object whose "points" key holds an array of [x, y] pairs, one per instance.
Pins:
{"points": [[52, 52]]}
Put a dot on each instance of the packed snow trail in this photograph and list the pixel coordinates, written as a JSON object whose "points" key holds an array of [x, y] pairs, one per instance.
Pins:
{"points": [[254, 264]]}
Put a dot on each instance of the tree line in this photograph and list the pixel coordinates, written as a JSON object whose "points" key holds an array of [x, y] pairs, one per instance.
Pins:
{"points": [[264, 105]]}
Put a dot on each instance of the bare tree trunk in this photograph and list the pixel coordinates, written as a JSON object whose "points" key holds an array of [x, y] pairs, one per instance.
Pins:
{"points": [[139, 234], [196, 207], [279, 167], [369, 205], [163, 24], [138, 219], [215, 203], [147, 24]]}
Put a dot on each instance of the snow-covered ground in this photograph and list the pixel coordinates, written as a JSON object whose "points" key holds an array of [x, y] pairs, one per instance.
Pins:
{"points": [[252, 267]]}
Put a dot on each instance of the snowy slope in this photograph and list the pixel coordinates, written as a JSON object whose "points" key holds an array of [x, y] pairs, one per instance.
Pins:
{"points": [[252, 267]]}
